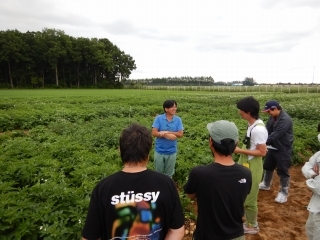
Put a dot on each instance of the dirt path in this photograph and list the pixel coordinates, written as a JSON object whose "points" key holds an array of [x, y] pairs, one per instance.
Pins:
{"points": [[282, 221]]}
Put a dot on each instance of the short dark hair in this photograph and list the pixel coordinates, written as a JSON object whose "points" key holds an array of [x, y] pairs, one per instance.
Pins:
{"points": [[249, 105], [226, 147], [135, 143], [169, 104]]}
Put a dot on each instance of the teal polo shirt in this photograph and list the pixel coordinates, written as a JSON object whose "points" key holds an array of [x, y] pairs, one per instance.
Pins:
{"points": [[163, 145]]}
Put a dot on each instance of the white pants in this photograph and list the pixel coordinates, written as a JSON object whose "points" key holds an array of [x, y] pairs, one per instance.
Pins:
{"points": [[313, 226]]}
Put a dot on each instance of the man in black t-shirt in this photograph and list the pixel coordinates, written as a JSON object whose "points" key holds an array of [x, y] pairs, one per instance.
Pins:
{"points": [[220, 188], [135, 203]]}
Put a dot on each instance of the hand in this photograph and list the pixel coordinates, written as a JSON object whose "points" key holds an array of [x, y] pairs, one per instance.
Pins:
{"points": [[162, 133], [170, 136]]}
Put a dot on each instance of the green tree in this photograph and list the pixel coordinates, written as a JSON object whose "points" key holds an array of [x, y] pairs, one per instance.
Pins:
{"points": [[11, 50], [122, 64], [249, 82], [99, 59], [61, 60], [77, 54], [57, 45]]}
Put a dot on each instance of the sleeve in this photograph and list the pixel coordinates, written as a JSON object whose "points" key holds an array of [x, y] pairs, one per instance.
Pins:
{"points": [[156, 123], [314, 185], [177, 217], [307, 169], [92, 226], [260, 135], [190, 186], [180, 126]]}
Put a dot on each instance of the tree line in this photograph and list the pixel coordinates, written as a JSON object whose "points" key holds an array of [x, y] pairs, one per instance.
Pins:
{"points": [[51, 58], [189, 81], [173, 81]]}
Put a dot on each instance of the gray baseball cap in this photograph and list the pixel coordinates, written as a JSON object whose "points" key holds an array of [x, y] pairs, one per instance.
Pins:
{"points": [[223, 129]]}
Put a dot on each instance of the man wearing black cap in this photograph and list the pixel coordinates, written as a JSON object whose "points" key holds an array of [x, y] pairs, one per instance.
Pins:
{"points": [[280, 140], [220, 188]]}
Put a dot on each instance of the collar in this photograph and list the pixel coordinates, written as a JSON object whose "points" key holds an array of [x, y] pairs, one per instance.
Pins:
{"points": [[255, 123], [164, 116]]}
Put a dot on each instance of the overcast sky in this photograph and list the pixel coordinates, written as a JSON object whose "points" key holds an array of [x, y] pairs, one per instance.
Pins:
{"points": [[269, 40]]}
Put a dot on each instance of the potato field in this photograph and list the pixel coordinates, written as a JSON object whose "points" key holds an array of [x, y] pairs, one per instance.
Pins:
{"points": [[57, 144]]}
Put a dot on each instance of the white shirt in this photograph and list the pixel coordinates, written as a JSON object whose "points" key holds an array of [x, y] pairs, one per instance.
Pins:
{"points": [[259, 135], [313, 184]]}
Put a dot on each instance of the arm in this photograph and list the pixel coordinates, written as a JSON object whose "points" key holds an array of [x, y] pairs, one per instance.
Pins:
{"points": [[175, 234], [280, 128], [156, 126], [176, 225], [178, 131], [93, 225], [314, 184], [192, 196], [166, 134], [260, 151], [258, 147], [178, 134], [159, 134], [190, 186], [173, 135], [311, 168]]}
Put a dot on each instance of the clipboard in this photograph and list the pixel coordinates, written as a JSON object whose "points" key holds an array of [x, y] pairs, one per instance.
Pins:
{"points": [[272, 148]]}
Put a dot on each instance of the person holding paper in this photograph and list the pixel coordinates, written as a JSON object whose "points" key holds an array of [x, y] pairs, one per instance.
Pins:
{"points": [[280, 136]]}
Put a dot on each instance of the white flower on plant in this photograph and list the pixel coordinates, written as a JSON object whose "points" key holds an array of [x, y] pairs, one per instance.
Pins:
{"points": [[79, 221]]}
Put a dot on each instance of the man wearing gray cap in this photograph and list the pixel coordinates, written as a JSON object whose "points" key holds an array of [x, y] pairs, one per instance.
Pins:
{"points": [[220, 188], [279, 143]]}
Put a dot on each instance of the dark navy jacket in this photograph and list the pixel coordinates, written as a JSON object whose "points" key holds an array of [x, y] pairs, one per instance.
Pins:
{"points": [[280, 132]]}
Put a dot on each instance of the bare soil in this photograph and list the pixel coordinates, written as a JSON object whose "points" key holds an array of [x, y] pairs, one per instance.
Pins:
{"points": [[281, 221]]}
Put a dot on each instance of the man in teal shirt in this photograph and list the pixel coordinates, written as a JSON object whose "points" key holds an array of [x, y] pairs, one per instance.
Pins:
{"points": [[167, 128]]}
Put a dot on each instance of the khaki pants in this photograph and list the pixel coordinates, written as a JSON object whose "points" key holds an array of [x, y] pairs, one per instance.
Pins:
{"points": [[165, 163]]}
